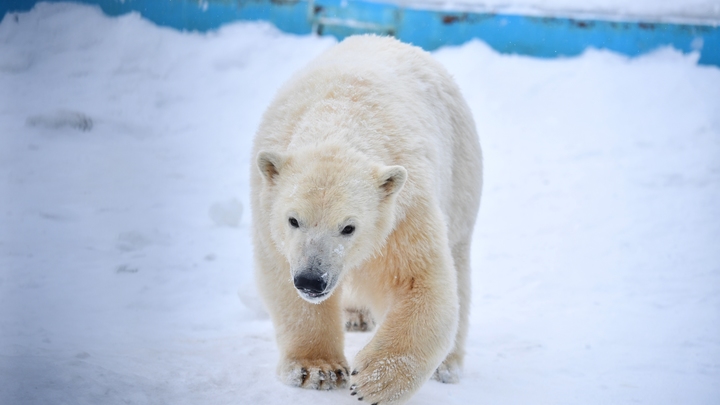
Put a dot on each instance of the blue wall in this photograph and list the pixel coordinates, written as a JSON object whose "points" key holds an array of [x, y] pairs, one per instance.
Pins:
{"points": [[545, 37]]}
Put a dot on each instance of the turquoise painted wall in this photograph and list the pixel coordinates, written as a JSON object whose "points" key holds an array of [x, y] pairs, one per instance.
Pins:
{"points": [[544, 37]]}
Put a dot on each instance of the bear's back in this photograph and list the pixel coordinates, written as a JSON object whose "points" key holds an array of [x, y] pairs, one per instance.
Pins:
{"points": [[391, 102]]}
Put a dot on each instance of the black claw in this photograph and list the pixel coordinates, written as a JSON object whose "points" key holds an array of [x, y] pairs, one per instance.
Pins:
{"points": [[360, 399], [353, 393], [376, 403], [354, 372]]}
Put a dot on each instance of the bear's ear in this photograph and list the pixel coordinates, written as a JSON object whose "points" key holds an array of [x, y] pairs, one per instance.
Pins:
{"points": [[391, 179], [269, 164]]}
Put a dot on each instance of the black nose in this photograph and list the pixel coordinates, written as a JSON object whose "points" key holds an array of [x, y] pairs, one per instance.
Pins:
{"points": [[310, 283]]}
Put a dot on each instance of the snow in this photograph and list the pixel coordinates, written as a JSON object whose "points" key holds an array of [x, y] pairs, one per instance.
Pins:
{"points": [[125, 252], [683, 11]]}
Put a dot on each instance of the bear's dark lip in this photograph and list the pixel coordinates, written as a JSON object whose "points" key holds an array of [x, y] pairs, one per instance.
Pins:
{"points": [[313, 294]]}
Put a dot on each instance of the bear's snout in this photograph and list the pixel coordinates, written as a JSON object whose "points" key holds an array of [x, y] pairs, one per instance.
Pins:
{"points": [[311, 284]]}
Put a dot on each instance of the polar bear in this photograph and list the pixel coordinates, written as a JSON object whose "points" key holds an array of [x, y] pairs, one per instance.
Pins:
{"points": [[364, 196]]}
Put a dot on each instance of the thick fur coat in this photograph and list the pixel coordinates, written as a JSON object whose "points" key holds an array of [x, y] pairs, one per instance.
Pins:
{"points": [[364, 196]]}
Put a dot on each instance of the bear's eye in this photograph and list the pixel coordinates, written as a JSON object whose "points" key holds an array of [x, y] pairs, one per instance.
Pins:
{"points": [[348, 230], [293, 222]]}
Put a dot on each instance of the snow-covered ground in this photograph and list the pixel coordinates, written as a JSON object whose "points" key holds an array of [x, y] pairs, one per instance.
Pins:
{"points": [[686, 11], [126, 275]]}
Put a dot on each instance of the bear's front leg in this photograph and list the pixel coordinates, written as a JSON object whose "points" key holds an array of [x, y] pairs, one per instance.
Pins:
{"points": [[413, 340], [309, 336], [311, 340]]}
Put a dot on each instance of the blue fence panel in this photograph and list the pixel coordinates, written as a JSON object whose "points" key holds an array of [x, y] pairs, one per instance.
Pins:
{"points": [[527, 35]]}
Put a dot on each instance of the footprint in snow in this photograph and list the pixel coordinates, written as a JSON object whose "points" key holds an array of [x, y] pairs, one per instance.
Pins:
{"points": [[61, 119]]}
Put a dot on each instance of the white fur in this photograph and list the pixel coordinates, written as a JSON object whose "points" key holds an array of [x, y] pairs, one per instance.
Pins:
{"points": [[373, 135]]}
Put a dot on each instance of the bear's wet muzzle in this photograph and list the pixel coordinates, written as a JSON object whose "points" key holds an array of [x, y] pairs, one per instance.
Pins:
{"points": [[311, 284]]}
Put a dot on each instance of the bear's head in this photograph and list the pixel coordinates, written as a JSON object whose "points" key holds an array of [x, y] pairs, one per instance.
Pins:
{"points": [[330, 209]]}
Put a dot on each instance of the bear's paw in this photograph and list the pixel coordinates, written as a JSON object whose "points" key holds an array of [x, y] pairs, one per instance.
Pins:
{"points": [[448, 372], [315, 374], [387, 380]]}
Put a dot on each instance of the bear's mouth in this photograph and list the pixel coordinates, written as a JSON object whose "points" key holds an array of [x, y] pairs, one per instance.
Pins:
{"points": [[313, 294], [313, 297]]}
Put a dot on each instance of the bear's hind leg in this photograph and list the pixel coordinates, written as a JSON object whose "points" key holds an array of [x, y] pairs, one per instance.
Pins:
{"points": [[359, 320], [449, 370]]}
